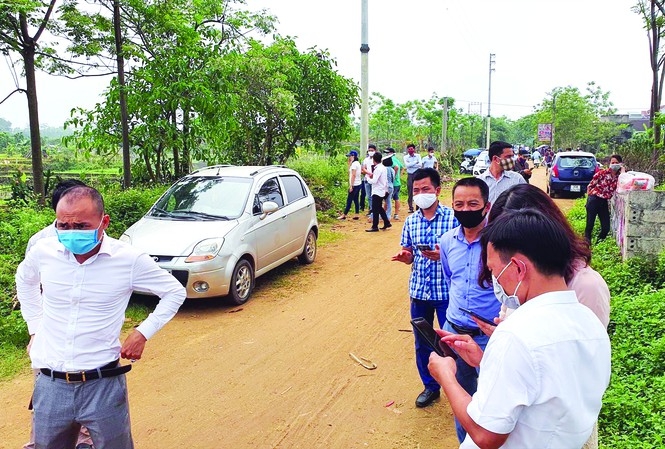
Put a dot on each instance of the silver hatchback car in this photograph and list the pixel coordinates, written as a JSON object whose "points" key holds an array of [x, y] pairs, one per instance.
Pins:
{"points": [[220, 227]]}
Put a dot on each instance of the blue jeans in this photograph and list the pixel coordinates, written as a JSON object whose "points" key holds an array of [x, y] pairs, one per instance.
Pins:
{"points": [[427, 310], [467, 375], [101, 405], [389, 202], [368, 194]]}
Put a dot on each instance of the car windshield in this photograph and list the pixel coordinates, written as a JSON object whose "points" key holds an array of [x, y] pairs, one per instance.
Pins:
{"points": [[576, 162], [204, 198]]}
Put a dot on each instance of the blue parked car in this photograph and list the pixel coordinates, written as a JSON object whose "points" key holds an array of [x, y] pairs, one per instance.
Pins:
{"points": [[571, 172]]}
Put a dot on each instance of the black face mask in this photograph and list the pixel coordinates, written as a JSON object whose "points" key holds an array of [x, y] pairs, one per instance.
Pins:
{"points": [[470, 218]]}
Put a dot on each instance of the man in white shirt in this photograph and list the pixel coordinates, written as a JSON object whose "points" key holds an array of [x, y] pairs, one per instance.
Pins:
{"points": [[83, 440], [75, 320], [545, 369], [412, 162], [430, 161], [499, 177], [379, 182]]}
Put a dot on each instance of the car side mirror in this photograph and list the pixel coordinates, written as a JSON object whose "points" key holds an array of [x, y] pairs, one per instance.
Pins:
{"points": [[268, 208]]}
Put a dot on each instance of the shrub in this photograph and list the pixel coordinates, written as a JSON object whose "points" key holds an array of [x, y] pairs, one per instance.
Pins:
{"points": [[126, 207], [632, 414], [326, 178]]}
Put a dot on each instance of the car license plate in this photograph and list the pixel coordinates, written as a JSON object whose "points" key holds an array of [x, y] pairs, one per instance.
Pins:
{"points": [[575, 188]]}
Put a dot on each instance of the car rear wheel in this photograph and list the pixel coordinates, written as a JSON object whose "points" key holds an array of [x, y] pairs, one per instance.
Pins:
{"points": [[551, 192], [242, 282], [309, 251]]}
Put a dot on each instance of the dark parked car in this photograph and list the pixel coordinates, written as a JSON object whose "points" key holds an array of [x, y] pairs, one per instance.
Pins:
{"points": [[571, 172]]}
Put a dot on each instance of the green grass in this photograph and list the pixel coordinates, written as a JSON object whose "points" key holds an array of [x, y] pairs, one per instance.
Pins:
{"points": [[13, 361]]}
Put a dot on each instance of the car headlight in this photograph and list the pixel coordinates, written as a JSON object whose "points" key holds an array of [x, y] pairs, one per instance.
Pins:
{"points": [[125, 238], [205, 250]]}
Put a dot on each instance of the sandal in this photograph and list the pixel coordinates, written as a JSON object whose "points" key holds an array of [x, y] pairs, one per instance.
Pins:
{"points": [[342, 217]]}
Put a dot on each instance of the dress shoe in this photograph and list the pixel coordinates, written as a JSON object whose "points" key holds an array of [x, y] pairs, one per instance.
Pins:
{"points": [[372, 230], [427, 397], [386, 226]]}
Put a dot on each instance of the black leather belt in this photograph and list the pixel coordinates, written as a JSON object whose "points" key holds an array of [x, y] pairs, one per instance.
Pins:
{"points": [[108, 370], [473, 331]]}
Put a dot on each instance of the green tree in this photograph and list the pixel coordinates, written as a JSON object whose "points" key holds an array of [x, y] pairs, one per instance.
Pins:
{"points": [[282, 98], [389, 123], [577, 117], [653, 16], [178, 108]]}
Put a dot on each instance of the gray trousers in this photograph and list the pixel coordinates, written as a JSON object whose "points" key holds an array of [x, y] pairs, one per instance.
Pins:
{"points": [[61, 408], [409, 188]]}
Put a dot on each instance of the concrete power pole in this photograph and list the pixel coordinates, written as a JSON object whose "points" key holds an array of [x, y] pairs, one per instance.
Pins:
{"points": [[444, 126], [489, 101], [364, 80]]}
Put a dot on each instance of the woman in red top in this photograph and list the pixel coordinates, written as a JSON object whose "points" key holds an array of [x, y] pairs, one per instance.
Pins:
{"points": [[600, 190]]}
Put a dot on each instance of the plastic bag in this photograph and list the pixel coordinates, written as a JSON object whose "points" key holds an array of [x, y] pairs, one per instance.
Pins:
{"points": [[635, 180]]}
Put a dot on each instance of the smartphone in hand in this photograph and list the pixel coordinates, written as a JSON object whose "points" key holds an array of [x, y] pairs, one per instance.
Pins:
{"points": [[475, 315], [424, 247], [432, 338]]}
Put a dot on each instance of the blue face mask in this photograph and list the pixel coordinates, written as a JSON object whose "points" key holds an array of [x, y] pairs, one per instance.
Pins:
{"points": [[79, 241]]}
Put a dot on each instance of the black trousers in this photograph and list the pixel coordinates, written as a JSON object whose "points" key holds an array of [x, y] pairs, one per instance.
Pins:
{"points": [[352, 197], [362, 195], [597, 207], [377, 209]]}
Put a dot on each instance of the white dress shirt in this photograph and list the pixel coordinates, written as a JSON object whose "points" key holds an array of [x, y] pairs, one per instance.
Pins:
{"points": [[77, 318], [543, 375], [379, 180]]}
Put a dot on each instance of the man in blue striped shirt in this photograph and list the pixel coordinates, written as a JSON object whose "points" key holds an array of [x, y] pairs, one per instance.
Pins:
{"points": [[427, 288], [461, 262]]}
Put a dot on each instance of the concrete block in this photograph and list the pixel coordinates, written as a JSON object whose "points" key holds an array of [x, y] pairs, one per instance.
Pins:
{"points": [[638, 222]]}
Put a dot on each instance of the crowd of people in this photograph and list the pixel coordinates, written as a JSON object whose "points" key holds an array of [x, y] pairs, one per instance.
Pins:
{"points": [[528, 324]]}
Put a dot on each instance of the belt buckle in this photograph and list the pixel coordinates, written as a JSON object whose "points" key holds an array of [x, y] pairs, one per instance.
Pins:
{"points": [[82, 373]]}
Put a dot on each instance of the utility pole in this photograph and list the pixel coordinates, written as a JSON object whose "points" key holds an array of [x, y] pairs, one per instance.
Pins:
{"points": [[553, 120], [364, 80], [444, 126], [489, 101]]}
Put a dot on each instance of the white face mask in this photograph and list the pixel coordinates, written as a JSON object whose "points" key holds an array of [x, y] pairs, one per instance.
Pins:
{"points": [[510, 301], [424, 200], [370, 153]]}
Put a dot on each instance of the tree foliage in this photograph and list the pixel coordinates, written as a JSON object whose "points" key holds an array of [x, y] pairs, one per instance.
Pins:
{"points": [[199, 90], [577, 117]]}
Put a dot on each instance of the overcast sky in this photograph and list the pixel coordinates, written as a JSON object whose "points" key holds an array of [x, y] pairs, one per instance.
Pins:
{"points": [[421, 47]]}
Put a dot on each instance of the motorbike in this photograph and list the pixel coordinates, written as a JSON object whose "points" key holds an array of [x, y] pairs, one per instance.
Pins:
{"points": [[466, 167]]}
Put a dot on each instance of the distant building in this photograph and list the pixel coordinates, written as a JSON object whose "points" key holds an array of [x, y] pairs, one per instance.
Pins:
{"points": [[635, 121]]}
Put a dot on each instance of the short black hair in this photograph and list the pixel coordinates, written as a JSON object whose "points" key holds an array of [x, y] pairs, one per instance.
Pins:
{"points": [[497, 147], [411, 146], [61, 188], [371, 146], [541, 239], [472, 181], [430, 173], [377, 157], [617, 157], [387, 161], [78, 192], [430, 148]]}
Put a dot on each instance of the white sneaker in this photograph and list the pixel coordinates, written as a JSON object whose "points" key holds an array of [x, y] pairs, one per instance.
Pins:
{"points": [[396, 217]]}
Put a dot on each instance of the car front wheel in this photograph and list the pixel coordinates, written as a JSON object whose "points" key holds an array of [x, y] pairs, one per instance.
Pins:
{"points": [[309, 251], [242, 282]]}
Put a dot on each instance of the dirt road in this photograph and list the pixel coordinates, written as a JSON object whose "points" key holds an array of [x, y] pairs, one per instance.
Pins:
{"points": [[276, 373]]}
